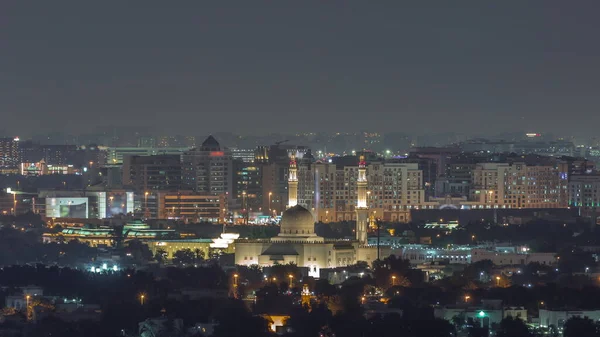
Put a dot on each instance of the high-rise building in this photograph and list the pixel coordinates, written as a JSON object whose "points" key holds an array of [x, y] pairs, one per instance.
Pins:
{"points": [[209, 169], [247, 187], [9, 152], [144, 173]]}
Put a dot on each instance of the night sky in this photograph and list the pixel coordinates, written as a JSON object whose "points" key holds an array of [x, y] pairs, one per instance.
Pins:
{"points": [[189, 67]]}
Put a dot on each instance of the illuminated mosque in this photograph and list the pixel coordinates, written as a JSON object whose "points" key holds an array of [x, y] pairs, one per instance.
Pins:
{"points": [[298, 243]]}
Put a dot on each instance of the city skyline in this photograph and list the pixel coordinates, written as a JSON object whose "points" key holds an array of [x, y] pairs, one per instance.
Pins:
{"points": [[265, 67]]}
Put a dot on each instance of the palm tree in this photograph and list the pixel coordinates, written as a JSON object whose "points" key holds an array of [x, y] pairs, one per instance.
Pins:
{"points": [[199, 255]]}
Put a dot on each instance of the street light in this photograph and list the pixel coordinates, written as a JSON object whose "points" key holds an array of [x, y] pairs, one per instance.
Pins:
{"points": [[393, 280], [235, 278], [270, 194], [291, 280], [27, 300], [142, 297], [467, 297], [497, 281]]}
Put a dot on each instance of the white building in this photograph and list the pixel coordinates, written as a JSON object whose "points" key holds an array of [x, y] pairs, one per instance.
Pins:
{"points": [[418, 254], [558, 318], [298, 243], [500, 258]]}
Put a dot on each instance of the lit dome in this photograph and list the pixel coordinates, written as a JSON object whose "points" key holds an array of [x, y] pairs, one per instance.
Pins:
{"points": [[297, 220]]}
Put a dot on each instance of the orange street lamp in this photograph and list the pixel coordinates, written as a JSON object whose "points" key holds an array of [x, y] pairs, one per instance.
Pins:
{"points": [[291, 279], [393, 280], [467, 298], [142, 297], [498, 281]]}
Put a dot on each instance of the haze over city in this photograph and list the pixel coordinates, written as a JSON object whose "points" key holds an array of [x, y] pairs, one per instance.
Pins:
{"points": [[254, 67]]}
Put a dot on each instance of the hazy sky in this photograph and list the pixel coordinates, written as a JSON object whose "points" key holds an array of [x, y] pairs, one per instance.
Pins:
{"points": [[260, 66]]}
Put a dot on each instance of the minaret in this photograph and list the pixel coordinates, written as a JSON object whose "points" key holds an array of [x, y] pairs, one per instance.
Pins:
{"points": [[362, 209], [293, 183]]}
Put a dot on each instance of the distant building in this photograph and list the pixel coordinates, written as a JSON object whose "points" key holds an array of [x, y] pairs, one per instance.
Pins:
{"points": [[393, 189], [208, 169], [9, 152], [245, 155], [487, 314], [247, 188], [523, 257], [116, 155], [84, 204], [584, 193], [519, 184], [558, 317], [147, 173]]}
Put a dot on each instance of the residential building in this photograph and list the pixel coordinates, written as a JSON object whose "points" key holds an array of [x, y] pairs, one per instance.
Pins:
{"points": [[329, 189], [519, 184]]}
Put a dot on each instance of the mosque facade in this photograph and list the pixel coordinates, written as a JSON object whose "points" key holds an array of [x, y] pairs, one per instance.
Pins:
{"points": [[298, 243]]}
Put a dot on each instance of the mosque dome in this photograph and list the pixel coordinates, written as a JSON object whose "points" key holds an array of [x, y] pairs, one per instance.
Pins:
{"points": [[297, 220]]}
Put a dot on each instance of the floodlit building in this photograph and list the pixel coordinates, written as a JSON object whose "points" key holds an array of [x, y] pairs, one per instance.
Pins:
{"points": [[298, 243]]}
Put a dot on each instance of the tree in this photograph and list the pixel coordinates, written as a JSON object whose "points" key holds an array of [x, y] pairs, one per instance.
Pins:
{"points": [[184, 256], [138, 250], [458, 320], [383, 270], [160, 255], [199, 255], [513, 327], [235, 320], [308, 323], [580, 326]]}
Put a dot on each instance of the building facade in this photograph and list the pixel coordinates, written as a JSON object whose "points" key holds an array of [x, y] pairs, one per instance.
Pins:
{"points": [[147, 173], [9, 152], [208, 169], [519, 185], [584, 193]]}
